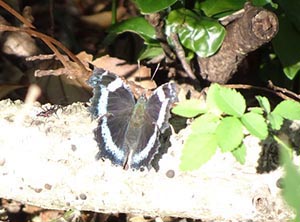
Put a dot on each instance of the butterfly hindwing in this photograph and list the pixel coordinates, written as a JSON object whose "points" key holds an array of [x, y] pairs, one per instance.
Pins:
{"points": [[156, 115]]}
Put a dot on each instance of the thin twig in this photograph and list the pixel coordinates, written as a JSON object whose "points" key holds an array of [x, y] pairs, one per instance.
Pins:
{"points": [[181, 55], [49, 41], [46, 39], [283, 90], [245, 86]]}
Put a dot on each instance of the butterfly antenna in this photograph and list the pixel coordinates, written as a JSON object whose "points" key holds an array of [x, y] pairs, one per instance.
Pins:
{"points": [[155, 71]]}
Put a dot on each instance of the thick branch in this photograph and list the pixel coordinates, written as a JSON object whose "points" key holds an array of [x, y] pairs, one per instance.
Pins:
{"points": [[50, 162], [256, 27]]}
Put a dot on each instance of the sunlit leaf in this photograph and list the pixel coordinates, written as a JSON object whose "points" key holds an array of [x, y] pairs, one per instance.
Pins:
{"points": [[206, 123], [189, 108], [197, 150], [202, 35], [264, 103], [229, 133], [291, 182], [275, 120], [240, 153], [288, 109], [228, 100], [255, 124]]}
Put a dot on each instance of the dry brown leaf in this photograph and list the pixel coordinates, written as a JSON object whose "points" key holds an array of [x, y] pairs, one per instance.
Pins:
{"points": [[50, 215], [138, 78], [132, 72], [30, 209], [85, 58], [115, 65]]}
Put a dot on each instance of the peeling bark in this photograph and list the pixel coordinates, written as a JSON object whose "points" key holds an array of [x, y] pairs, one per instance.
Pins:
{"points": [[50, 162], [256, 27]]}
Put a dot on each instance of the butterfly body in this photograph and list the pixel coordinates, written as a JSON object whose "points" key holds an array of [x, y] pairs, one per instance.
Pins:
{"points": [[128, 130]]}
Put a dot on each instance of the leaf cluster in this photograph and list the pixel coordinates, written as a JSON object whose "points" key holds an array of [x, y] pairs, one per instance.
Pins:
{"points": [[221, 122], [201, 34]]}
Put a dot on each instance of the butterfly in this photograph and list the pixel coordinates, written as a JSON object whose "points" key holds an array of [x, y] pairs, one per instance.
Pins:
{"points": [[128, 129]]}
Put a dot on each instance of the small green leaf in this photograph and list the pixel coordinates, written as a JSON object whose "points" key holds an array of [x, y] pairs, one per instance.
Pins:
{"points": [[228, 100], [151, 51], [257, 110], [138, 25], [286, 42], [211, 101], [288, 109], [206, 123], [275, 120], [292, 70], [229, 133], [264, 103], [240, 153], [189, 108], [202, 35], [255, 124], [291, 182], [197, 150], [152, 6]]}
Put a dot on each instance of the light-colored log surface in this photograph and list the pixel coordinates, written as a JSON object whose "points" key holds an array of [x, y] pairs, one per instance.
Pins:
{"points": [[50, 162]]}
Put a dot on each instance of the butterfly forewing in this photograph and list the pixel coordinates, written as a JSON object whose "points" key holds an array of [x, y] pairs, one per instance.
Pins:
{"points": [[114, 114]]}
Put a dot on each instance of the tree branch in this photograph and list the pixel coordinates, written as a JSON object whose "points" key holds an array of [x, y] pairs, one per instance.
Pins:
{"points": [[254, 28]]}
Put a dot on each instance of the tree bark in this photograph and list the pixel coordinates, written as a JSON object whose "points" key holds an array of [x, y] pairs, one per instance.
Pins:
{"points": [[50, 162], [256, 27]]}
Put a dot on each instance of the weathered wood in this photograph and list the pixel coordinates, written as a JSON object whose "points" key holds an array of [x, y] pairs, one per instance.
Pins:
{"points": [[50, 162]]}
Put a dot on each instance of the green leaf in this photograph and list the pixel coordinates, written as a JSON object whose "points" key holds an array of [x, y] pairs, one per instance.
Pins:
{"points": [[229, 133], [264, 103], [197, 150], [288, 109], [206, 123], [151, 51], [215, 7], [291, 182], [151, 6], [228, 100], [275, 120], [287, 47], [292, 70], [212, 106], [240, 153], [138, 25], [203, 36], [255, 124], [190, 108], [257, 110]]}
